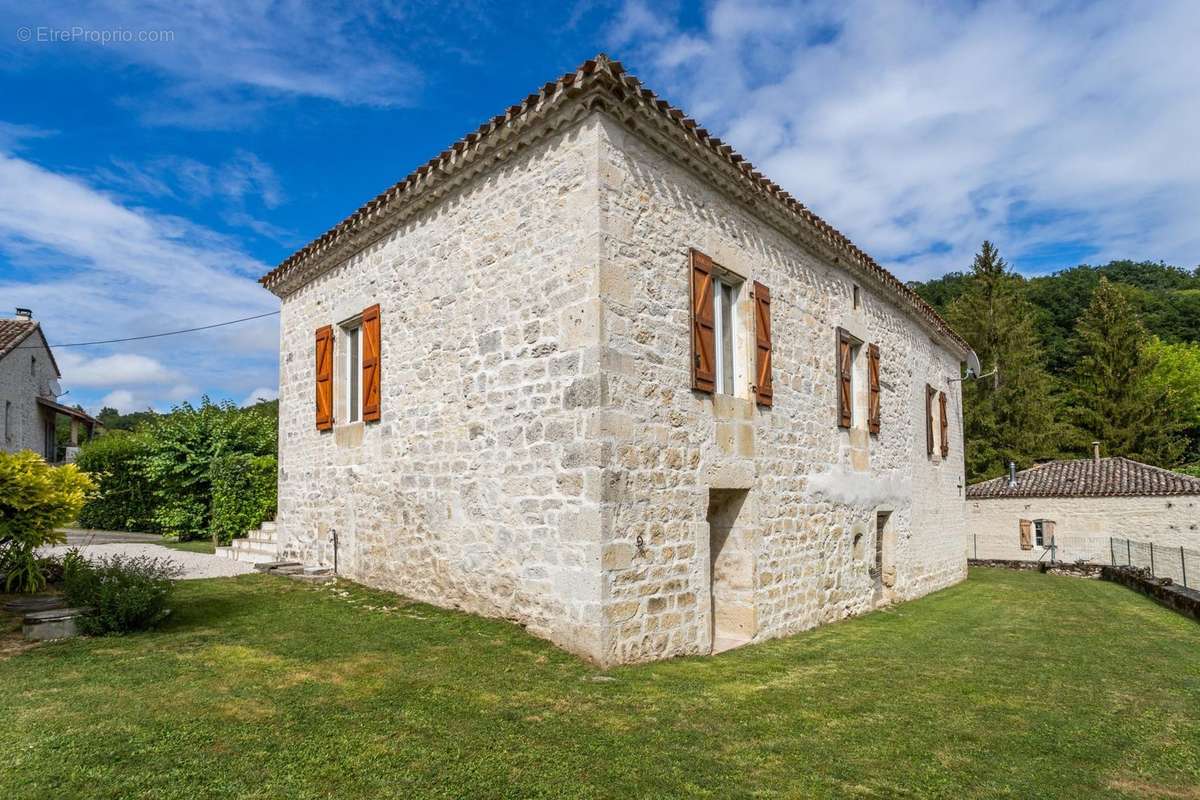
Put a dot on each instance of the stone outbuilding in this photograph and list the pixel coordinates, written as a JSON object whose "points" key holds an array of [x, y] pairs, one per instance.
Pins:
{"points": [[29, 391], [1080, 506], [590, 371]]}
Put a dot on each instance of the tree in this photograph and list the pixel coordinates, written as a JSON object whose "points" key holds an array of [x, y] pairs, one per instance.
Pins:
{"points": [[1114, 396], [1010, 415], [183, 446]]}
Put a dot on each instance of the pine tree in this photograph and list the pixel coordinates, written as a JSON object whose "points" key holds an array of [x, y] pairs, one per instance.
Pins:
{"points": [[1012, 414], [1114, 397]]}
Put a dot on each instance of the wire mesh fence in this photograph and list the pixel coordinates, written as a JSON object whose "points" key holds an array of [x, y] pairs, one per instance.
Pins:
{"points": [[1179, 563]]}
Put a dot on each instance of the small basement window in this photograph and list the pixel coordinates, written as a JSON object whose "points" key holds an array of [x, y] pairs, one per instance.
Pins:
{"points": [[352, 380]]}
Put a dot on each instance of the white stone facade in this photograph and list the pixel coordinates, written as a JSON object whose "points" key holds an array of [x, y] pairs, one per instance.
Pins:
{"points": [[1083, 526], [541, 455]]}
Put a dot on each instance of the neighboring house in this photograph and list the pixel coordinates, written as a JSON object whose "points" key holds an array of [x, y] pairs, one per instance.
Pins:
{"points": [[1079, 506], [29, 391], [590, 371]]}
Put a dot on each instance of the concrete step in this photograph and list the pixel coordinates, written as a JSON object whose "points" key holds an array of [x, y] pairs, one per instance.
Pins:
{"points": [[247, 555], [253, 543], [270, 566], [268, 527]]}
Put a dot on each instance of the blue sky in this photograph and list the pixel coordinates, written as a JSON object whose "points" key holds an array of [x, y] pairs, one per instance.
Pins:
{"points": [[145, 185]]}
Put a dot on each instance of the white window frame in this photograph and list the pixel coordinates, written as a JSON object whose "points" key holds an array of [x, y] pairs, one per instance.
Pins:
{"points": [[1038, 533], [726, 371], [352, 369]]}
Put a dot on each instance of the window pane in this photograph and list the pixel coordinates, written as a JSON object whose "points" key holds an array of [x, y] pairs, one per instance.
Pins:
{"points": [[726, 337], [353, 374]]}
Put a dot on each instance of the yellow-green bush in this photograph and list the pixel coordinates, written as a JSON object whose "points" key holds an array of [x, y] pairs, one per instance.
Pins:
{"points": [[35, 498]]}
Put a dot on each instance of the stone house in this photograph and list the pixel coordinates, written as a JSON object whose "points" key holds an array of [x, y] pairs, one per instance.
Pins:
{"points": [[1079, 506], [29, 390], [590, 371]]}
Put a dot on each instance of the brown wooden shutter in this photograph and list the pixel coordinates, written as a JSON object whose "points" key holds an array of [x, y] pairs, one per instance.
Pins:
{"points": [[704, 354], [929, 393], [324, 375], [945, 420], [845, 371], [763, 387], [1047, 533], [873, 404], [1026, 538], [370, 364]]}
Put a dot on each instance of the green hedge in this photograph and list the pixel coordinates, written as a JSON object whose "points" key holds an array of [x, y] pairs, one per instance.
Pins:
{"points": [[243, 494], [125, 501]]}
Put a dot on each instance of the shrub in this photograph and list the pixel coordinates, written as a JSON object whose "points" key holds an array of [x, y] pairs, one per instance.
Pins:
{"points": [[182, 448], [35, 498], [125, 593], [124, 500], [243, 494]]}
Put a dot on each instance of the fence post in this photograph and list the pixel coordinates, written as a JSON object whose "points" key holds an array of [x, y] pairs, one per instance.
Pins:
{"points": [[1152, 558], [1183, 565]]}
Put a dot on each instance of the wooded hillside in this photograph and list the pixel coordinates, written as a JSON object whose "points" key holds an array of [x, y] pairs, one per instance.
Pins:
{"points": [[1108, 353]]}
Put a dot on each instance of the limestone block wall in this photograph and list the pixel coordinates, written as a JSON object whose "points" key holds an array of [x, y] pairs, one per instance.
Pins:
{"points": [[813, 490], [1082, 526], [25, 374], [475, 488]]}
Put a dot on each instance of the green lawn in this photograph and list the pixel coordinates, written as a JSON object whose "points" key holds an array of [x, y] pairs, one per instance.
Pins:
{"points": [[191, 546], [1010, 685]]}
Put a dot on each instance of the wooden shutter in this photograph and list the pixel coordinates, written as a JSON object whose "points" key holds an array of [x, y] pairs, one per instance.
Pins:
{"points": [[704, 354], [370, 364], [763, 388], [845, 371], [873, 404], [1047, 533], [945, 420], [324, 375], [929, 393], [1026, 538]]}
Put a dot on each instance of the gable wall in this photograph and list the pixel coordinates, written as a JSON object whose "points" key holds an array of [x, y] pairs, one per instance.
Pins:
{"points": [[470, 492], [812, 487], [21, 386]]}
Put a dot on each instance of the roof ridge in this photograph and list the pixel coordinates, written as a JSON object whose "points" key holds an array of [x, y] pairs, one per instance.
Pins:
{"points": [[627, 88]]}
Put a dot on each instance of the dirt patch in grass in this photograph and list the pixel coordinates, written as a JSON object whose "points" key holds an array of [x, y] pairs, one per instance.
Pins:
{"points": [[1139, 788]]}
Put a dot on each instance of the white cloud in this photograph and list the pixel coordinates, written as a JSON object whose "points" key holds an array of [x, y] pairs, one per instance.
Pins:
{"points": [[116, 369], [92, 267], [920, 129], [226, 61], [260, 394], [123, 401]]}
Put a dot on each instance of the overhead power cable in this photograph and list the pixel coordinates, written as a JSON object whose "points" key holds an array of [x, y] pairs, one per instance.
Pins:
{"points": [[155, 335]]}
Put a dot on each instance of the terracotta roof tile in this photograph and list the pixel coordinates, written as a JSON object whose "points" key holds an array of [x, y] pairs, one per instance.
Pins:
{"points": [[1086, 477], [13, 332]]}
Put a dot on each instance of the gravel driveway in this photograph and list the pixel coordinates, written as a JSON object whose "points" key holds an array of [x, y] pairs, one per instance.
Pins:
{"points": [[195, 565]]}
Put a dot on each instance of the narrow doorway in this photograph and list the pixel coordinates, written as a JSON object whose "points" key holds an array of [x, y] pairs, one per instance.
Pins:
{"points": [[731, 570], [882, 551]]}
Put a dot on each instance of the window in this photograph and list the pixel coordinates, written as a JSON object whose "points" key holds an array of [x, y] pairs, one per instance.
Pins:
{"points": [[857, 299], [33, 366], [353, 377], [1043, 532], [725, 311], [7, 420]]}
